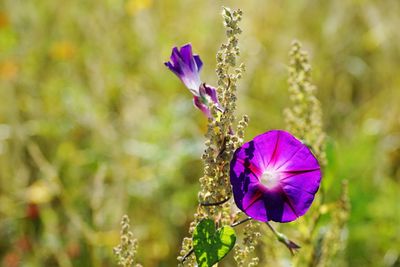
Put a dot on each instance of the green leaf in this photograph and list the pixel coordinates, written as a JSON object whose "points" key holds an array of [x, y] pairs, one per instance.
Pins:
{"points": [[211, 246]]}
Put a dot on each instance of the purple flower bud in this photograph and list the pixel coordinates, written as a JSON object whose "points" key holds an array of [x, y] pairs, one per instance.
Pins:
{"points": [[207, 95], [187, 67], [274, 177]]}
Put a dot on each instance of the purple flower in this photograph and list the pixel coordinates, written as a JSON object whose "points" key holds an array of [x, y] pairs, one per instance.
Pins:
{"points": [[187, 67], [274, 177]]}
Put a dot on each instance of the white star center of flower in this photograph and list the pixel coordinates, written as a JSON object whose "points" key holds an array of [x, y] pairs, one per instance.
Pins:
{"points": [[270, 179]]}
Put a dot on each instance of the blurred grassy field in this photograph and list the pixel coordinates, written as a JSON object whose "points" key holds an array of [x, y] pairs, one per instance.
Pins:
{"points": [[93, 126]]}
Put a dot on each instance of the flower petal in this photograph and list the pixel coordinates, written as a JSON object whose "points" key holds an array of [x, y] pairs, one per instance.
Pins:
{"points": [[298, 199], [247, 156], [187, 57], [200, 105], [211, 92], [185, 66], [302, 160], [265, 147], [198, 61]]}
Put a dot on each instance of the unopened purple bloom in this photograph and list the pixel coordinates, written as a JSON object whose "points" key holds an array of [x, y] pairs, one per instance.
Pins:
{"points": [[274, 177], [187, 67], [207, 93]]}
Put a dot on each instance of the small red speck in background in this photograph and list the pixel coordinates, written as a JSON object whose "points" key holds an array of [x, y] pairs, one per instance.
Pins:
{"points": [[24, 244], [32, 211], [73, 249], [11, 259]]}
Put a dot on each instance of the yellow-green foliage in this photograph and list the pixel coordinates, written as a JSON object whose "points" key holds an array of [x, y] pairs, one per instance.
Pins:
{"points": [[92, 125]]}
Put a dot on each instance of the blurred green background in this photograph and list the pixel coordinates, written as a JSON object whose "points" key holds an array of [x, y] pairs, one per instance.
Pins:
{"points": [[92, 125]]}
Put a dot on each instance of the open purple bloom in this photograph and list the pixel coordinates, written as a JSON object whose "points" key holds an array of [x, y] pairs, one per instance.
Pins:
{"points": [[274, 177], [187, 67]]}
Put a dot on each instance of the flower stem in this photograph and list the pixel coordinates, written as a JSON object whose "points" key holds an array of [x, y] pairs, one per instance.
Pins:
{"points": [[283, 239], [187, 255], [215, 203], [240, 222], [276, 233]]}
